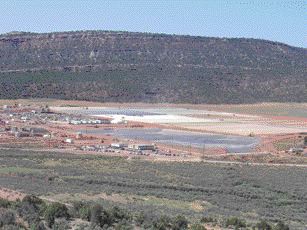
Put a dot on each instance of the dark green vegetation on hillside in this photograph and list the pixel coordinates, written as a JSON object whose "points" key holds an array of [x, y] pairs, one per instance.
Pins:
{"points": [[34, 213], [194, 190], [139, 67]]}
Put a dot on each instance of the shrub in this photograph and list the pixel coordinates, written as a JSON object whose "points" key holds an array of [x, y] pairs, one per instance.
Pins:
{"points": [[140, 218], [81, 210], [12, 227], [40, 226], [82, 226], [124, 225], [93, 227], [29, 212], [163, 223], [235, 221], [49, 218], [197, 227], [263, 225], [118, 214], [180, 222], [58, 209], [96, 212], [207, 220], [281, 226], [61, 224], [106, 218], [4, 203], [85, 213], [55, 210], [33, 200], [38, 204], [7, 217]]}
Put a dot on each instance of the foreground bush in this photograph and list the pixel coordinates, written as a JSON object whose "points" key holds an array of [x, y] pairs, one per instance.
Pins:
{"points": [[81, 210], [55, 210], [236, 222], [163, 223], [30, 209], [263, 225], [281, 226], [36, 214], [117, 214], [197, 227], [207, 220], [96, 215], [4, 203], [7, 217], [180, 222]]}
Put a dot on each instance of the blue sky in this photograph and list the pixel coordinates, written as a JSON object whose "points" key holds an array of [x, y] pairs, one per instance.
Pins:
{"points": [[277, 20]]}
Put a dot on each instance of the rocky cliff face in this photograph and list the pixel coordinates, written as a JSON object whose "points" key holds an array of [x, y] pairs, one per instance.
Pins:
{"points": [[123, 66]]}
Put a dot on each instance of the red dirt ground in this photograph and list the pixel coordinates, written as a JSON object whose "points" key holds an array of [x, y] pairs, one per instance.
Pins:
{"points": [[11, 195]]}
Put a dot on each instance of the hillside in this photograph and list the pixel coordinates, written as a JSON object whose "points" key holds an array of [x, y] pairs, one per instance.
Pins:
{"points": [[139, 67]]}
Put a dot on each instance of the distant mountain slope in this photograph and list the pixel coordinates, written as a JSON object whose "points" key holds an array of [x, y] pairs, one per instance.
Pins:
{"points": [[140, 67]]}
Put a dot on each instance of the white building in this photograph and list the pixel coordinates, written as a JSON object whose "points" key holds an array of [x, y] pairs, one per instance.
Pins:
{"points": [[119, 121], [142, 147], [119, 145], [69, 141]]}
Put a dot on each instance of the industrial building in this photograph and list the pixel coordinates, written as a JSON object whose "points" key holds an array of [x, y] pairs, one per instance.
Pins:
{"points": [[142, 147], [35, 131], [119, 145], [296, 150], [119, 121], [69, 141], [89, 121]]}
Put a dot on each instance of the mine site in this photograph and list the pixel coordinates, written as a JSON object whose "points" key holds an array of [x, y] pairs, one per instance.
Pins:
{"points": [[157, 132]]}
